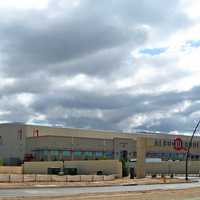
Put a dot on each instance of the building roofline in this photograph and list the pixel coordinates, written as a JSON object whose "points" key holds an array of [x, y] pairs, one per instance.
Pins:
{"points": [[130, 134]]}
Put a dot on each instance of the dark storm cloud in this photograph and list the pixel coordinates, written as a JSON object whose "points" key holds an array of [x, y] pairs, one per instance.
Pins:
{"points": [[38, 41], [35, 84], [55, 43], [117, 108]]}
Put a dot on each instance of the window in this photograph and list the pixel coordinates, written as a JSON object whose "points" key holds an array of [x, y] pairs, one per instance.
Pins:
{"points": [[87, 155], [1, 140], [169, 143], [77, 153], [108, 154], [98, 154], [44, 154], [20, 134], [157, 142], [54, 155], [66, 153]]}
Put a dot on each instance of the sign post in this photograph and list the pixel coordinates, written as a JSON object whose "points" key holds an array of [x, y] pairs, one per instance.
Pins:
{"points": [[188, 151]]}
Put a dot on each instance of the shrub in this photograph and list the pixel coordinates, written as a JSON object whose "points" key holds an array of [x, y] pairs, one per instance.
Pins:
{"points": [[1, 162], [125, 169]]}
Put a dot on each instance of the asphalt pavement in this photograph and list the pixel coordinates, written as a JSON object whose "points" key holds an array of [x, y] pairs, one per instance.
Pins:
{"points": [[48, 191]]}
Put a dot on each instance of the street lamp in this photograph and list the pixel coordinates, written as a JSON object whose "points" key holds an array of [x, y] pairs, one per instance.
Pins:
{"points": [[188, 151]]}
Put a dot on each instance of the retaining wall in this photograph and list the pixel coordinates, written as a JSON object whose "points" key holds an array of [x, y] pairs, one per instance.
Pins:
{"points": [[19, 178]]}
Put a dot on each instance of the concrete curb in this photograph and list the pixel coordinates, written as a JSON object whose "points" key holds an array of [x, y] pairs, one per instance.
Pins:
{"points": [[82, 186]]}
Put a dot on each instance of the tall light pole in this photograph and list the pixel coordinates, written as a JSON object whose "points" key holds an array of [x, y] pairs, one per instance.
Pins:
{"points": [[188, 151]]}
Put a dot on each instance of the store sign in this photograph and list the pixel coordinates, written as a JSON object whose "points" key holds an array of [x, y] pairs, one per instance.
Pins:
{"points": [[178, 144]]}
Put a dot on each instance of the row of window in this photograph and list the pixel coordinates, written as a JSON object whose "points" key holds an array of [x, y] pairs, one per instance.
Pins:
{"points": [[68, 155], [171, 156], [163, 143]]}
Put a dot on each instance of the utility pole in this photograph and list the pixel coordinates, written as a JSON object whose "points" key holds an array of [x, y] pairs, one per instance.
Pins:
{"points": [[188, 151]]}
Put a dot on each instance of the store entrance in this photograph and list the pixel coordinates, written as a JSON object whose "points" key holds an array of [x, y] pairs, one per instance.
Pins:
{"points": [[124, 155]]}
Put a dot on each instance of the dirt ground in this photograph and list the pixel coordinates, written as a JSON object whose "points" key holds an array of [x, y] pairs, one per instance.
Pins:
{"points": [[189, 194]]}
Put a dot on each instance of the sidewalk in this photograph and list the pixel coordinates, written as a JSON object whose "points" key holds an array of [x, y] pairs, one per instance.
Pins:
{"points": [[121, 181]]}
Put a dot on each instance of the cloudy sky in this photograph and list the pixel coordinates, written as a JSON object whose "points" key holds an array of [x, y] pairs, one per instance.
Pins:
{"points": [[121, 65]]}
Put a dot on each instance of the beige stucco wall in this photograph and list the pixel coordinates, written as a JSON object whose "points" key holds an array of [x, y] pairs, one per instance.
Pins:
{"points": [[121, 144], [75, 143], [12, 146], [177, 167], [75, 132], [141, 153], [40, 167], [151, 147], [84, 167], [11, 170], [92, 166]]}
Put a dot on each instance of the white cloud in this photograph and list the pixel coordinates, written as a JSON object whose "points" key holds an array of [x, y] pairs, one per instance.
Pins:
{"points": [[24, 4], [5, 82], [191, 7], [25, 99]]}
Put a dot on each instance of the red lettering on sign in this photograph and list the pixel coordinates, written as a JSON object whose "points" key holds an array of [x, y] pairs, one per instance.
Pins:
{"points": [[178, 144]]}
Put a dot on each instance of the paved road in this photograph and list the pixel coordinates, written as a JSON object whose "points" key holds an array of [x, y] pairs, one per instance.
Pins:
{"points": [[70, 191]]}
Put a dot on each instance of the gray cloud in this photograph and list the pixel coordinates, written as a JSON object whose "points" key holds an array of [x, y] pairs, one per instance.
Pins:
{"points": [[117, 108], [42, 48], [37, 41]]}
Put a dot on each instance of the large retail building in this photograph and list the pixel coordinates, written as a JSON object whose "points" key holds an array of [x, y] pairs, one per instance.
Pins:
{"points": [[21, 142]]}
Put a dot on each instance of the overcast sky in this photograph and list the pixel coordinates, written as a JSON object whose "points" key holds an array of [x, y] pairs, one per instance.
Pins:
{"points": [[120, 65]]}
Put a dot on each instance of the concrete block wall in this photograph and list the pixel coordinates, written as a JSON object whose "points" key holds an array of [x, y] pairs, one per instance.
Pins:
{"points": [[20, 178], [56, 178], [43, 178], [86, 178], [109, 178], [16, 178], [29, 177], [98, 178], [76, 178], [4, 178]]}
